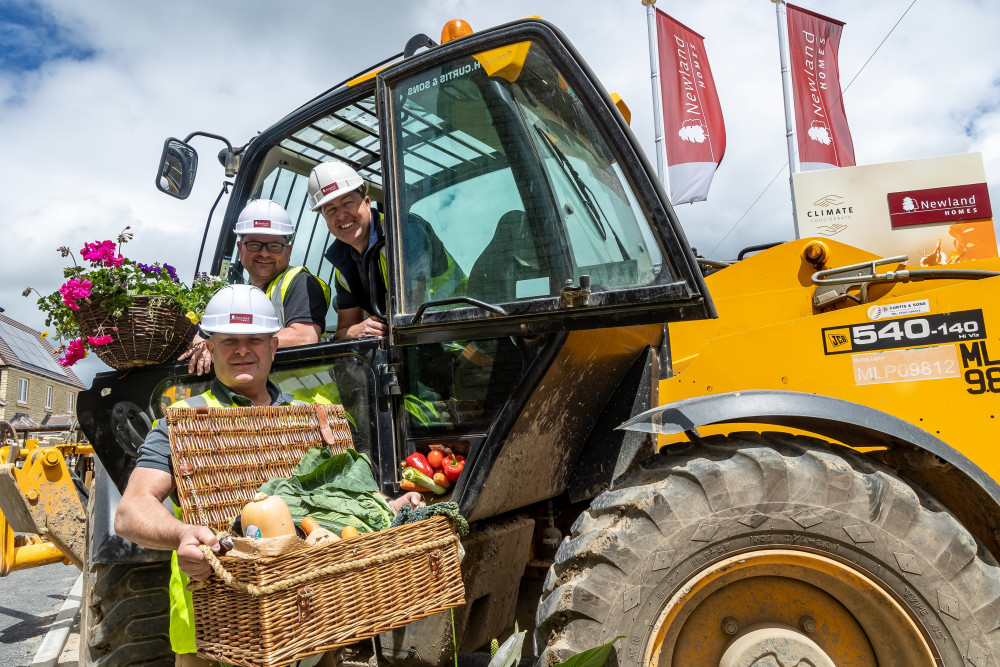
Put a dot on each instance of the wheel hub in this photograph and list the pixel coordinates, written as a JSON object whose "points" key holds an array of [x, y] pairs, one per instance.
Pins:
{"points": [[774, 646], [785, 608]]}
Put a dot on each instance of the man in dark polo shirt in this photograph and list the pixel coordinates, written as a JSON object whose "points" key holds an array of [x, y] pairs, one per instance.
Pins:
{"points": [[341, 196]]}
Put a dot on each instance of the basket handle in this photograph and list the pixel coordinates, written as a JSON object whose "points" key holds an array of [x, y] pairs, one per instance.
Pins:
{"points": [[292, 582], [324, 427]]}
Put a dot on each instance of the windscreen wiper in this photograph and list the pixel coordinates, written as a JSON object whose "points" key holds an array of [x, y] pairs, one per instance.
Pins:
{"points": [[586, 194]]}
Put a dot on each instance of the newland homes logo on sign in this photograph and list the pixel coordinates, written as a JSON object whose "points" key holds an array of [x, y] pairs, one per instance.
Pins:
{"points": [[952, 203]]}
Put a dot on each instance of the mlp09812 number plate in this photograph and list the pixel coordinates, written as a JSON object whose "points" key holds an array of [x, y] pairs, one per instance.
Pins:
{"points": [[933, 329]]}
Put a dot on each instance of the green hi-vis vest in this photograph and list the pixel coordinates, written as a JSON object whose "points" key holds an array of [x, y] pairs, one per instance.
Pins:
{"points": [[278, 287], [181, 605]]}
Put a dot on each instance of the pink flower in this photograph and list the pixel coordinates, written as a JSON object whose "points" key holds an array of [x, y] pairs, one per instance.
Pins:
{"points": [[74, 353], [99, 340], [103, 251], [74, 289]]}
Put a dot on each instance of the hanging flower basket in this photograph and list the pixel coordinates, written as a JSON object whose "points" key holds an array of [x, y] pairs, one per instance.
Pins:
{"points": [[151, 331], [128, 313]]}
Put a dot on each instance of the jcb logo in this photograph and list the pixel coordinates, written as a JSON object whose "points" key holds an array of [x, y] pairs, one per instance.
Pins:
{"points": [[838, 339]]}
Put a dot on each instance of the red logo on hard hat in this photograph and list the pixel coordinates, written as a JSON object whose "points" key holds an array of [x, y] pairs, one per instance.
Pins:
{"points": [[261, 223], [240, 318], [330, 188]]}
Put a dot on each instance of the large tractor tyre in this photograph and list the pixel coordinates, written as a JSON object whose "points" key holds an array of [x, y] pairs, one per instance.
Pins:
{"points": [[124, 613], [770, 549]]}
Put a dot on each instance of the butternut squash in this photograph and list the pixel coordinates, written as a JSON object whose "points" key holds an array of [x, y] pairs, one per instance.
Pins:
{"points": [[270, 514]]}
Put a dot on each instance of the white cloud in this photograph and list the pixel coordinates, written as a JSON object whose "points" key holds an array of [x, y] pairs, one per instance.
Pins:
{"points": [[81, 141]]}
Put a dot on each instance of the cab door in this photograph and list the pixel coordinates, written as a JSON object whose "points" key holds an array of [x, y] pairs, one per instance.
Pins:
{"points": [[519, 200]]}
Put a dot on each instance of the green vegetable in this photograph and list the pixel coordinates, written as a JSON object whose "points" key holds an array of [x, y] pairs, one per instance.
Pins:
{"points": [[336, 490], [408, 514], [417, 477]]}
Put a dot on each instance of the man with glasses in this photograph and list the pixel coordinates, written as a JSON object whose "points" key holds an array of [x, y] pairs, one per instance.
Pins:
{"points": [[300, 299]]}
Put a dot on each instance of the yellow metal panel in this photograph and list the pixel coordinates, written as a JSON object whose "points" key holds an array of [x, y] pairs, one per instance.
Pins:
{"points": [[768, 337], [505, 62]]}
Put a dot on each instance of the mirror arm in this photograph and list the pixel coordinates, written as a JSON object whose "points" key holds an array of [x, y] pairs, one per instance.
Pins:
{"points": [[209, 135], [208, 223]]}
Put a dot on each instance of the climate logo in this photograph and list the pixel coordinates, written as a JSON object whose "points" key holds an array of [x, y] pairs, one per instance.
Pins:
{"points": [[829, 200], [830, 214]]}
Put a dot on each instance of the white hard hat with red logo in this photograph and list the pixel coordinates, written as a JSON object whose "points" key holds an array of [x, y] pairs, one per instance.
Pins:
{"points": [[240, 309], [330, 180], [263, 216]]}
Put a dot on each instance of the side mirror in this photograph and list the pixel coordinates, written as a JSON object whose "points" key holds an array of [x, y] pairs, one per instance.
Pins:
{"points": [[178, 167]]}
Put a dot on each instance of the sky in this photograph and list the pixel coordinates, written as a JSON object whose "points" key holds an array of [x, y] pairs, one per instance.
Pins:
{"points": [[89, 91]]}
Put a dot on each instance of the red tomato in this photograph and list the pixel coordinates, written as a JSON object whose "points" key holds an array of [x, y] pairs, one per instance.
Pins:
{"points": [[434, 457]]}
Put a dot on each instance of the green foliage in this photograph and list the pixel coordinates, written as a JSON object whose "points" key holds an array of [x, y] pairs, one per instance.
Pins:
{"points": [[410, 515], [509, 653], [593, 657], [334, 489], [112, 281]]}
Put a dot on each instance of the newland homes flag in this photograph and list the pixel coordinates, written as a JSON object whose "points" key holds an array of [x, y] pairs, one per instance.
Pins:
{"points": [[693, 129], [824, 140]]}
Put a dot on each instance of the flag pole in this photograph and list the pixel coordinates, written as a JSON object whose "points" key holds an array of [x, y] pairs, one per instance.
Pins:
{"points": [[654, 69], [786, 88]]}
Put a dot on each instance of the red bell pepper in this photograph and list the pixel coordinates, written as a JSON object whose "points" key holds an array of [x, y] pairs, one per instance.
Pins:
{"points": [[418, 461], [452, 466]]}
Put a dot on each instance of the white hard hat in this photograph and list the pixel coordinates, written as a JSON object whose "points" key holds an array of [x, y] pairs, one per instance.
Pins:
{"points": [[330, 180], [263, 216], [240, 309]]}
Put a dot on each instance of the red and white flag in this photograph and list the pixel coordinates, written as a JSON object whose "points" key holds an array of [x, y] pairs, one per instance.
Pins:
{"points": [[824, 140], [693, 129]]}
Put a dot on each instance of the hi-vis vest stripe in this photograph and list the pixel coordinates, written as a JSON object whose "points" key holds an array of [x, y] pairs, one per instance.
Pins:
{"points": [[277, 296]]}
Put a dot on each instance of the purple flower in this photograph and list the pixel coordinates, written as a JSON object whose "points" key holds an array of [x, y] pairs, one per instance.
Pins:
{"points": [[172, 272]]}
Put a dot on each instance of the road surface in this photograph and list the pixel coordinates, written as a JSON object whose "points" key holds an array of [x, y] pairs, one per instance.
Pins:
{"points": [[29, 601]]}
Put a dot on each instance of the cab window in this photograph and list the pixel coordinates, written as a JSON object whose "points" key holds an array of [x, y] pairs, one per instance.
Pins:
{"points": [[515, 182], [349, 134], [457, 388]]}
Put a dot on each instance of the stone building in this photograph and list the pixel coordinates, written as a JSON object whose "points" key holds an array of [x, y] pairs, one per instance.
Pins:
{"points": [[35, 391]]}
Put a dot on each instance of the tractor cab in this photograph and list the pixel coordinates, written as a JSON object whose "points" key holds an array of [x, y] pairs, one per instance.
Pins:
{"points": [[516, 206]]}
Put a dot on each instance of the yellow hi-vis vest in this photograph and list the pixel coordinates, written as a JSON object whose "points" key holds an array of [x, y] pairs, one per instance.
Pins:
{"points": [[181, 605], [278, 287]]}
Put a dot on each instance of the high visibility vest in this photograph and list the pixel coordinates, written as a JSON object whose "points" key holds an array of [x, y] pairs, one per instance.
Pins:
{"points": [[278, 287], [453, 281], [181, 606]]}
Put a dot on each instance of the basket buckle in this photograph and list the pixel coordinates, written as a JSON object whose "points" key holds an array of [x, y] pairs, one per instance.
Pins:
{"points": [[434, 561], [304, 594]]}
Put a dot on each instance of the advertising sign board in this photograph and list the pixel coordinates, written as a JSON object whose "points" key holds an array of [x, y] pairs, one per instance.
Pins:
{"points": [[935, 210]]}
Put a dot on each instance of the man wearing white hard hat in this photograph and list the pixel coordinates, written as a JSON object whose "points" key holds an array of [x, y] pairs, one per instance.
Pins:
{"points": [[339, 193], [242, 327], [300, 299]]}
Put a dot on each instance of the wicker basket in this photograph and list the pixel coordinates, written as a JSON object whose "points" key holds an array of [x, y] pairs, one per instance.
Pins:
{"points": [[270, 611], [151, 331]]}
